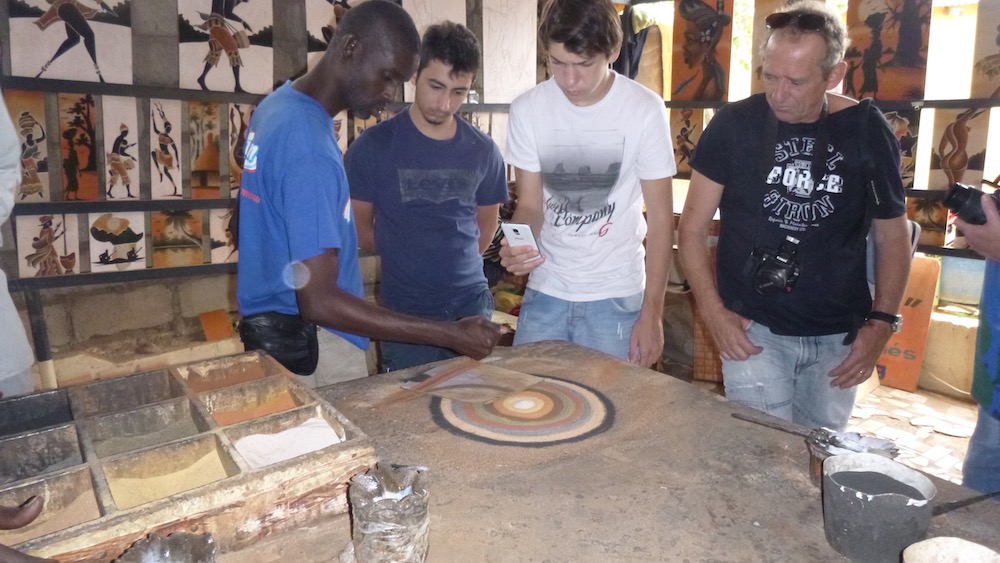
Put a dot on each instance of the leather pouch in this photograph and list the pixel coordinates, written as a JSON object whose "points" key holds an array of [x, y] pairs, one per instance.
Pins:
{"points": [[287, 338]]}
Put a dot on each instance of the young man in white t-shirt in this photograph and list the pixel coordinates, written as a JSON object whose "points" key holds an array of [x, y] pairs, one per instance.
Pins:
{"points": [[590, 147]]}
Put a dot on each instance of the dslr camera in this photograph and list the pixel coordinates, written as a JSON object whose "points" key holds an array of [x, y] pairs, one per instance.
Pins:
{"points": [[774, 272], [966, 202]]}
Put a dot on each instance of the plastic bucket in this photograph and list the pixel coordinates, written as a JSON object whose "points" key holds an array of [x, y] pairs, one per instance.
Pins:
{"points": [[874, 507]]}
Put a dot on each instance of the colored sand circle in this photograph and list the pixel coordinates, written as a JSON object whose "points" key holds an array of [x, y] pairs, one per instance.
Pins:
{"points": [[552, 412]]}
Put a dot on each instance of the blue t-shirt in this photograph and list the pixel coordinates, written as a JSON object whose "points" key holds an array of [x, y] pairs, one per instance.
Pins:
{"points": [[426, 194], [986, 372], [294, 204]]}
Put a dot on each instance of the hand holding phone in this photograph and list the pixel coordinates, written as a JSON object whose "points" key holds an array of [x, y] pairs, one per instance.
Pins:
{"points": [[519, 234]]}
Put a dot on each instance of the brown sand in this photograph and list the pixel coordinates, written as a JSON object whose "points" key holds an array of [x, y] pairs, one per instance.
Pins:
{"points": [[173, 431], [129, 491], [279, 403], [199, 383], [82, 509]]}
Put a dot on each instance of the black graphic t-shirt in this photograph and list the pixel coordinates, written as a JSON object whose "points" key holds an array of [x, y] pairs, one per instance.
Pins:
{"points": [[762, 204]]}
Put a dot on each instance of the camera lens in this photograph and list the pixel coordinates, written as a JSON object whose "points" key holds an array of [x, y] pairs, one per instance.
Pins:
{"points": [[769, 280], [966, 202]]}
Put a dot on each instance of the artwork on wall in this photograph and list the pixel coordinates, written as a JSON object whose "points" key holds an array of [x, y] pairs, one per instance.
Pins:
{"points": [[239, 124], [121, 130], [47, 245], [904, 124], [225, 45], [176, 238], [702, 43], [959, 150], [205, 152], [87, 40], [687, 125], [504, 73], [116, 241], [221, 239], [887, 57], [165, 156], [986, 69], [929, 212], [762, 9], [77, 132], [27, 110]]}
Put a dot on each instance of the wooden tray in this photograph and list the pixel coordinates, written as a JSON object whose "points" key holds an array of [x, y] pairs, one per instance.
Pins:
{"points": [[146, 453]]}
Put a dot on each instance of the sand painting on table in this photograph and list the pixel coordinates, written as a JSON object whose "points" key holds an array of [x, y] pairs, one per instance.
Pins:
{"points": [[27, 111], [222, 246], [86, 40], [165, 154], [176, 238], [116, 241], [47, 245], [121, 132], [225, 45], [204, 151], [78, 151]]}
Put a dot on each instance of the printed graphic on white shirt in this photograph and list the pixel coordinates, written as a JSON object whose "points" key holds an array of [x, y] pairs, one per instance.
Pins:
{"points": [[579, 170]]}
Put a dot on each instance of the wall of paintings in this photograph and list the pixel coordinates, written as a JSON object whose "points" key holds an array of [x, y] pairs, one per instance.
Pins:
{"points": [[132, 117]]}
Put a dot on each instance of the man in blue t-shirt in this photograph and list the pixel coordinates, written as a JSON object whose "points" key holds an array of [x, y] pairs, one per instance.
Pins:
{"points": [[426, 187], [981, 469], [298, 246]]}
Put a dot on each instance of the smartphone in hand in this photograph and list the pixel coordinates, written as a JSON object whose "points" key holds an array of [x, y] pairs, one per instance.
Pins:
{"points": [[519, 234]]}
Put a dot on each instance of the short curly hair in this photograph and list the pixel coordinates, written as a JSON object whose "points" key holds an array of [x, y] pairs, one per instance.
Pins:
{"points": [[452, 44]]}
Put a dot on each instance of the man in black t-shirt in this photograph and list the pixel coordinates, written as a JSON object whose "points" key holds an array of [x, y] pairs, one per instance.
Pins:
{"points": [[789, 307]]}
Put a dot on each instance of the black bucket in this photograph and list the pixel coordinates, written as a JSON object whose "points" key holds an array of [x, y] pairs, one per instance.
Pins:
{"points": [[874, 507]]}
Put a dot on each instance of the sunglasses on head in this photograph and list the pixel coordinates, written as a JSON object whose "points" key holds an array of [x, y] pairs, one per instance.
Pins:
{"points": [[805, 22]]}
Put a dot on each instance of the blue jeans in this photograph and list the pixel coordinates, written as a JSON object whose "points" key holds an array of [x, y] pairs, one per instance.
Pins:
{"points": [[397, 355], [604, 325], [981, 469], [789, 378]]}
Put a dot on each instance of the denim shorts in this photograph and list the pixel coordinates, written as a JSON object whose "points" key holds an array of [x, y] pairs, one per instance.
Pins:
{"points": [[604, 325], [790, 380], [399, 355]]}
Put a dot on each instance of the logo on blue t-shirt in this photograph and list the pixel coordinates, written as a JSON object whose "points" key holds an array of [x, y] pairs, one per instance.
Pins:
{"points": [[250, 154]]}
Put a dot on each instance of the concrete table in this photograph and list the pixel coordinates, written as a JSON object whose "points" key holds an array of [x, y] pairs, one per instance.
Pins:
{"points": [[674, 478]]}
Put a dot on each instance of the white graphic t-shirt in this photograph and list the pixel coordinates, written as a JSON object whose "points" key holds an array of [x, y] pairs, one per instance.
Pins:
{"points": [[591, 159]]}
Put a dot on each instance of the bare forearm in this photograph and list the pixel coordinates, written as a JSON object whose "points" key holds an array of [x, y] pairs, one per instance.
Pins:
{"points": [[348, 313], [694, 255]]}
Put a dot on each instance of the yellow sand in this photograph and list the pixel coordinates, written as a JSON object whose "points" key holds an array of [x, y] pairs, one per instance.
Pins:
{"points": [[130, 491], [82, 509]]}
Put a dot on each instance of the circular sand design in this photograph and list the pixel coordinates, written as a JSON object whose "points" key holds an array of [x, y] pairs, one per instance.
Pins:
{"points": [[554, 411]]}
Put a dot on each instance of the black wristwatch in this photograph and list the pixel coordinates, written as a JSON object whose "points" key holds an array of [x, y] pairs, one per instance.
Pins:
{"points": [[895, 321]]}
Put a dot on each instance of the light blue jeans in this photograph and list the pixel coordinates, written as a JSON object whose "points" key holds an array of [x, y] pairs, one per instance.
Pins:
{"points": [[789, 378], [604, 325], [981, 469]]}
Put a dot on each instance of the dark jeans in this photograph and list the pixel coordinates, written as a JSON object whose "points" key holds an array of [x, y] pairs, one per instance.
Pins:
{"points": [[397, 355]]}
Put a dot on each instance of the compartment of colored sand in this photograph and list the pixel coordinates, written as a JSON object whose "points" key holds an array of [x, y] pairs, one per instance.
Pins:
{"points": [[141, 477], [254, 400], [144, 427], [286, 435], [33, 412], [224, 372], [69, 500], [39, 452], [123, 393]]}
